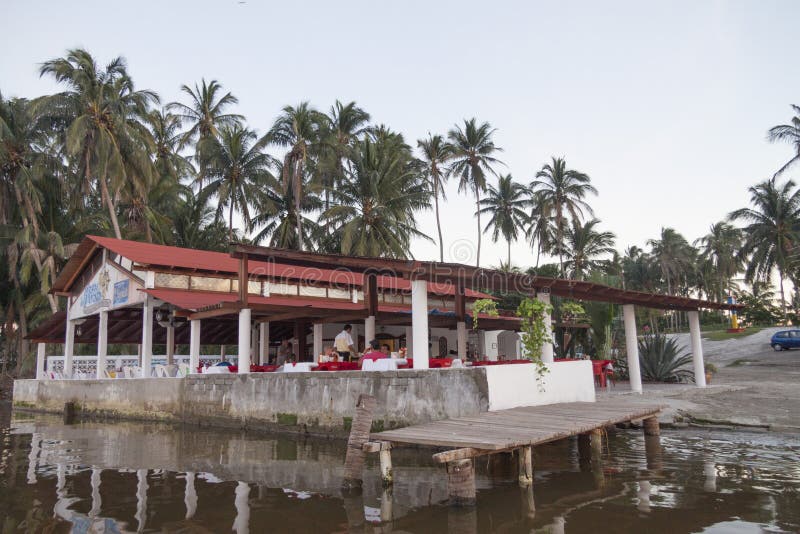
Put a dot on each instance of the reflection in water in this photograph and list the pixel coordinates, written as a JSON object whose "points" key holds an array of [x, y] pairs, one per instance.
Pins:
{"points": [[147, 478]]}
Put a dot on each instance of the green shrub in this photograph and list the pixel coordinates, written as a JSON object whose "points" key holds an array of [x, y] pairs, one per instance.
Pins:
{"points": [[660, 360]]}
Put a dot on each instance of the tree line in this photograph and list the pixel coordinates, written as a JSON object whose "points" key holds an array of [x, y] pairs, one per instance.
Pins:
{"points": [[104, 156]]}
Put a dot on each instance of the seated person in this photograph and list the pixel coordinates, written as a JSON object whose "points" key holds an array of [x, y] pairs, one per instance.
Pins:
{"points": [[332, 355], [386, 350], [373, 353]]}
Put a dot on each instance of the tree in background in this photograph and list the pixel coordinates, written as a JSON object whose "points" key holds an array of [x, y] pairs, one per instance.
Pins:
{"points": [[788, 133], [506, 206], [585, 248], [436, 153]]}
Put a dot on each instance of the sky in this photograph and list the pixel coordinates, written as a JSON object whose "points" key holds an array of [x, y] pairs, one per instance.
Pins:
{"points": [[664, 105]]}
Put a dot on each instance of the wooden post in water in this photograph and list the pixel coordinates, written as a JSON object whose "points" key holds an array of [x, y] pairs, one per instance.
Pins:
{"points": [[525, 466], [651, 427], [386, 466], [597, 441], [359, 435], [461, 482]]}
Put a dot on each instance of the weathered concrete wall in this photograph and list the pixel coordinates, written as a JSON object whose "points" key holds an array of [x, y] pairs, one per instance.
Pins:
{"points": [[305, 402]]}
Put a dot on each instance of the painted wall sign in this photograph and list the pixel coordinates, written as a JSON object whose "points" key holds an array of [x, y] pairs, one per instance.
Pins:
{"points": [[121, 292], [96, 294]]}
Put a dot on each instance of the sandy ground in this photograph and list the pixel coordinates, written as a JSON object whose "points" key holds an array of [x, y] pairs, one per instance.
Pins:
{"points": [[754, 386]]}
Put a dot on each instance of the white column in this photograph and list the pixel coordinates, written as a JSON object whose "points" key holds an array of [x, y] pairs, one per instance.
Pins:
{"points": [[409, 342], [241, 524], [461, 339], [419, 322], [170, 345], [244, 340], [69, 341], [697, 349], [369, 331], [194, 345], [147, 337], [102, 342], [632, 347], [263, 343], [190, 496], [41, 358], [547, 348], [317, 341]]}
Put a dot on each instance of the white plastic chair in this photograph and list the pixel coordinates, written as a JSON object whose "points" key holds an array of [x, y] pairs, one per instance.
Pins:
{"points": [[130, 371], [161, 371], [183, 369]]}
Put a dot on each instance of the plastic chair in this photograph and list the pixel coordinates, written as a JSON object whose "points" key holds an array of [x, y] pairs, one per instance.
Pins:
{"points": [[161, 371], [183, 369]]}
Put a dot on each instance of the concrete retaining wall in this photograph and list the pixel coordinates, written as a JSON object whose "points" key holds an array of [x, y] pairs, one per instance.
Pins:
{"points": [[321, 403]]}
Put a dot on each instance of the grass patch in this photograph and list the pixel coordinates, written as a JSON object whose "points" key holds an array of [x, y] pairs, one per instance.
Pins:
{"points": [[721, 335], [288, 419]]}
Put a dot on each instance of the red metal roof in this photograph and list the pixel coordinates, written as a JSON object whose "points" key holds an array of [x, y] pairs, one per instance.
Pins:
{"points": [[149, 254]]}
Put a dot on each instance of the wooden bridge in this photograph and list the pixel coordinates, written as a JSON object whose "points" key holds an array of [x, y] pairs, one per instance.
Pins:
{"points": [[517, 429]]}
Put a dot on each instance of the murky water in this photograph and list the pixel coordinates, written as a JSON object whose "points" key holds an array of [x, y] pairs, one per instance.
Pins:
{"points": [[129, 477]]}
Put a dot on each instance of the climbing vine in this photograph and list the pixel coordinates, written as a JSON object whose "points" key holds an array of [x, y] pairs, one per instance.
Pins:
{"points": [[487, 306], [535, 331]]}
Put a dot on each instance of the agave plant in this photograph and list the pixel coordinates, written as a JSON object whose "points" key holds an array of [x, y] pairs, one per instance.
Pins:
{"points": [[661, 360]]}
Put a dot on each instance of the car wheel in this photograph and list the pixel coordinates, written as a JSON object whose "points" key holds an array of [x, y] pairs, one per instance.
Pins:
{"points": [[778, 347]]}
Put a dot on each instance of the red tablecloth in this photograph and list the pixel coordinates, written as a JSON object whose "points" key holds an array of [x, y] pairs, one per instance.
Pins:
{"points": [[337, 366]]}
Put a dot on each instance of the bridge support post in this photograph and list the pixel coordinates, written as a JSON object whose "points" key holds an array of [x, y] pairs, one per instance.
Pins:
{"points": [[461, 482], [651, 427], [525, 466], [359, 435]]}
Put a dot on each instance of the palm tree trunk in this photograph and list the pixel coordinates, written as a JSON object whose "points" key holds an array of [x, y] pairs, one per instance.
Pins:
{"points": [[112, 212], [230, 222], [298, 179], [478, 213], [509, 254], [783, 296], [51, 299], [438, 222]]}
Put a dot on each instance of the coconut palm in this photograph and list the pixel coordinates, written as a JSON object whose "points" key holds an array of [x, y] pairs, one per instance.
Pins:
{"points": [[585, 245], [789, 133], [105, 118], [472, 160], [719, 252], [277, 218], [673, 255], [195, 224], [373, 210], [238, 171], [298, 128], [558, 192], [506, 205], [436, 153], [205, 114], [772, 231], [540, 230]]}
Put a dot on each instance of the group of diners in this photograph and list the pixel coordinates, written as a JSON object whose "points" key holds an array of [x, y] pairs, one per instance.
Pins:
{"points": [[343, 350]]}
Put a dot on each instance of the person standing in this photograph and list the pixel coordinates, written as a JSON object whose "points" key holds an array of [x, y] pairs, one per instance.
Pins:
{"points": [[284, 353], [344, 343]]}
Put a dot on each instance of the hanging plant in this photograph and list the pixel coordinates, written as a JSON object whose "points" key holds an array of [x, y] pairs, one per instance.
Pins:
{"points": [[535, 332], [571, 311], [487, 306]]}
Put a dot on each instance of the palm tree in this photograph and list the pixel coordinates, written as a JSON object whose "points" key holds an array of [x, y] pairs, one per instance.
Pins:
{"points": [[558, 191], [436, 152], [672, 253], [585, 245], [540, 228], [195, 224], [472, 160], [789, 133], [205, 114], [239, 171], [771, 232], [719, 250], [506, 206], [373, 210], [104, 117], [299, 128]]}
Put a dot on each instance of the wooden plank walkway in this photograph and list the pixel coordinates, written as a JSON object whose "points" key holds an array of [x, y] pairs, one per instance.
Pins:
{"points": [[521, 427]]}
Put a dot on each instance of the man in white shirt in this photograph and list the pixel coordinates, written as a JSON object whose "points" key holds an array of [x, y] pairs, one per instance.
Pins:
{"points": [[344, 343]]}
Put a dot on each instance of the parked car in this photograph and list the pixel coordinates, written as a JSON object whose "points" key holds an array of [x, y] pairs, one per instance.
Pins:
{"points": [[785, 340]]}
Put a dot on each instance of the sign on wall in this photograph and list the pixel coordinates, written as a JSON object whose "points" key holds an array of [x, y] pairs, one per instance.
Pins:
{"points": [[109, 288], [121, 292]]}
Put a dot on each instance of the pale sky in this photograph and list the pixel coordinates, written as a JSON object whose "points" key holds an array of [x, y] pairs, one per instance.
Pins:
{"points": [[665, 105]]}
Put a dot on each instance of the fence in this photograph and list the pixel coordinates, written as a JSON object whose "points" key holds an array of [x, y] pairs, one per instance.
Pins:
{"points": [[86, 366]]}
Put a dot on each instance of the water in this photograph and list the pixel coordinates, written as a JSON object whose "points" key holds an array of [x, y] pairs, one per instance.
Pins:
{"points": [[136, 477]]}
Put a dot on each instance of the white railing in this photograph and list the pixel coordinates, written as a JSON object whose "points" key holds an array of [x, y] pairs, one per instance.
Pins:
{"points": [[86, 366]]}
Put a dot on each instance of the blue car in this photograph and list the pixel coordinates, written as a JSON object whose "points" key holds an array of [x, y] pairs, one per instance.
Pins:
{"points": [[785, 340]]}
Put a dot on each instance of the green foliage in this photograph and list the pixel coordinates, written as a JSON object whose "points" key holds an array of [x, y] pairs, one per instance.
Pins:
{"points": [[661, 360], [535, 332], [486, 306], [572, 311]]}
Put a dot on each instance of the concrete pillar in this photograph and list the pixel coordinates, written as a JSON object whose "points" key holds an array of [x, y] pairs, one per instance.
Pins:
{"points": [[697, 349], [547, 348], [41, 358], [369, 331], [190, 496], [102, 343], [317, 341], [419, 322], [263, 343], [170, 345], [461, 339], [147, 337], [409, 342], [194, 345], [632, 347], [244, 340], [69, 341], [254, 335]]}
